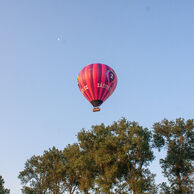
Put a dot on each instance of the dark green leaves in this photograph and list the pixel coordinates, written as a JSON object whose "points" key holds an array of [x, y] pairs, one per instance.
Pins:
{"points": [[115, 159], [177, 166], [3, 190]]}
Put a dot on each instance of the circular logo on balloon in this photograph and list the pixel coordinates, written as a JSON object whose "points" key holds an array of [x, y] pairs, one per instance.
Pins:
{"points": [[110, 75]]}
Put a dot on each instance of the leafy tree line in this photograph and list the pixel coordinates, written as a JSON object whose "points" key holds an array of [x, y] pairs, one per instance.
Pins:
{"points": [[115, 159]]}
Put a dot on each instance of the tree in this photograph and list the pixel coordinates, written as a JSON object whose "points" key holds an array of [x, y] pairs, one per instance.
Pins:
{"points": [[34, 174], [79, 169], [99, 145], [86, 171], [134, 156], [177, 137], [71, 155], [3, 190], [44, 174], [106, 159], [28, 190], [55, 172], [121, 153], [54, 165]]}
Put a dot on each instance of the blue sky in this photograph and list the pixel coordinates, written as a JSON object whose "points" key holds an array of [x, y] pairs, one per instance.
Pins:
{"points": [[45, 43]]}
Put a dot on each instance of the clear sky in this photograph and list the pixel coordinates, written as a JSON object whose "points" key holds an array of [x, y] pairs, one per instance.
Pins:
{"points": [[45, 43]]}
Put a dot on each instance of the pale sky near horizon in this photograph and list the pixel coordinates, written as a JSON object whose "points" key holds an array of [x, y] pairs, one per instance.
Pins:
{"points": [[45, 43]]}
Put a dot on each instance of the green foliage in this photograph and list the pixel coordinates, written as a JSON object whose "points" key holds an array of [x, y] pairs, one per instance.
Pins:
{"points": [[101, 149], [115, 159], [134, 156], [71, 154], [28, 190], [177, 166], [44, 173], [121, 153], [3, 190]]}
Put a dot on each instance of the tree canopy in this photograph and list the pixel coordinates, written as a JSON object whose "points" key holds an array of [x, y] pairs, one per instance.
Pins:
{"points": [[115, 159], [177, 137]]}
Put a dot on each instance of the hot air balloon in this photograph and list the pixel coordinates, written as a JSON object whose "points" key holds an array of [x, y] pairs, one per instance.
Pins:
{"points": [[97, 82]]}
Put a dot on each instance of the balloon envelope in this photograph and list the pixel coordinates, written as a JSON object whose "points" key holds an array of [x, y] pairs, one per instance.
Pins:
{"points": [[97, 82]]}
